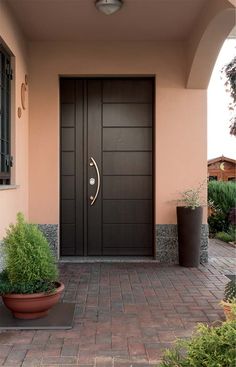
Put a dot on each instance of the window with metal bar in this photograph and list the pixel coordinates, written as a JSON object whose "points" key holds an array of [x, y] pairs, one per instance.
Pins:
{"points": [[5, 133]]}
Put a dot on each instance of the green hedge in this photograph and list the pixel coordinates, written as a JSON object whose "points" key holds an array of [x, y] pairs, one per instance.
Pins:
{"points": [[223, 196], [229, 236]]}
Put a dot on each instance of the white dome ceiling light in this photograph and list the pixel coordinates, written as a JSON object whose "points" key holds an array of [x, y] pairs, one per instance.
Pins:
{"points": [[109, 7]]}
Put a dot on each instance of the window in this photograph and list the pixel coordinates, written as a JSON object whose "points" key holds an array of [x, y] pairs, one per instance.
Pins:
{"points": [[5, 95], [213, 178], [232, 179]]}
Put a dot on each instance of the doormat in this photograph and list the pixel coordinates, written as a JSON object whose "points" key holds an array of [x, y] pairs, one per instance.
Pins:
{"points": [[60, 317], [231, 277]]}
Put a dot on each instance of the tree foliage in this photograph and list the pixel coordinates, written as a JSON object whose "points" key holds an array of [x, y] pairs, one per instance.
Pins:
{"points": [[222, 195], [230, 84]]}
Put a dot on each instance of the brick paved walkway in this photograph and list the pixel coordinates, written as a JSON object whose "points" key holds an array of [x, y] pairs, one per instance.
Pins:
{"points": [[222, 257], [126, 314]]}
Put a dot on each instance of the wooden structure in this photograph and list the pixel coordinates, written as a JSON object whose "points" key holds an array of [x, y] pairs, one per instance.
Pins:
{"points": [[222, 169]]}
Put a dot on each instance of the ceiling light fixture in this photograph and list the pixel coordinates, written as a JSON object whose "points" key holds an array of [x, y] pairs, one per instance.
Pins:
{"points": [[108, 7]]}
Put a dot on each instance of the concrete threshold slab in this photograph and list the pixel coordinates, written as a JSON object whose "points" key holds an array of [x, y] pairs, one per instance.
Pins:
{"points": [[107, 259]]}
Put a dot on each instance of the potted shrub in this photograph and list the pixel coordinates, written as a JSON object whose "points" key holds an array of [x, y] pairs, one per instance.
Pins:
{"points": [[29, 282], [229, 302], [189, 221]]}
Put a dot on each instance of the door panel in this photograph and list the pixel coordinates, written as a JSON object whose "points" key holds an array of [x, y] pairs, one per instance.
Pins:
{"points": [[127, 211], [106, 133], [127, 139], [127, 91], [67, 115], [68, 211], [68, 235], [67, 93], [67, 187], [67, 163], [127, 114], [68, 139], [136, 163], [127, 187], [126, 235]]}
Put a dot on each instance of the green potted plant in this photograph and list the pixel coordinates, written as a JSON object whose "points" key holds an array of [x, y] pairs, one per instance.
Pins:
{"points": [[229, 301], [189, 221], [29, 283]]}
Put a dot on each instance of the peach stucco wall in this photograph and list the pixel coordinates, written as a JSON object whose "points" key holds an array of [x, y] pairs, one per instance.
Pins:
{"points": [[15, 199], [181, 157]]}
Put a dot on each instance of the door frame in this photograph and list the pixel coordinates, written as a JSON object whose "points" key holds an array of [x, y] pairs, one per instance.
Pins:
{"points": [[100, 77]]}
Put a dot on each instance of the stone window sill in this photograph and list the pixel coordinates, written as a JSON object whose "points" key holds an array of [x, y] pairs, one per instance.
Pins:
{"points": [[8, 187]]}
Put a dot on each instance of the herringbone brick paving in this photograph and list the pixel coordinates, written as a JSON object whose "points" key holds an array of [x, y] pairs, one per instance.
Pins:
{"points": [[126, 314]]}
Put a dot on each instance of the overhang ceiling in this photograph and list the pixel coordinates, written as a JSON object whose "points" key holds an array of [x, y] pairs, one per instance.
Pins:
{"points": [[75, 20]]}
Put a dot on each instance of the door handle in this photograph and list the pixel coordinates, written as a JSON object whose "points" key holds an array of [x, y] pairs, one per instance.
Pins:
{"points": [[93, 163]]}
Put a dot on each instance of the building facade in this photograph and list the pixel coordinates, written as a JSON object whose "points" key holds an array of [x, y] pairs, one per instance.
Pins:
{"points": [[222, 169], [100, 108]]}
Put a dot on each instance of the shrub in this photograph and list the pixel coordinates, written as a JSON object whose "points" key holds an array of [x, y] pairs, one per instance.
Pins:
{"points": [[229, 301], [226, 236], [217, 223], [36, 286], [232, 217], [232, 233], [208, 347], [29, 262], [222, 195], [230, 291]]}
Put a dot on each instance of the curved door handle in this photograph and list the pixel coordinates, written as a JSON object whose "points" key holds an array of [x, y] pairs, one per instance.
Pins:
{"points": [[93, 163]]}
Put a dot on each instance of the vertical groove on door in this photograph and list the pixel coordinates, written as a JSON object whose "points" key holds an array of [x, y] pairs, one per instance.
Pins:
{"points": [[102, 165], [85, 172], [79, 159], [94, 150]]}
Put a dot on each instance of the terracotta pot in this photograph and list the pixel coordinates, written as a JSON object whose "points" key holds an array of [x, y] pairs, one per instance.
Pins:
{"points": [[32, 306]]}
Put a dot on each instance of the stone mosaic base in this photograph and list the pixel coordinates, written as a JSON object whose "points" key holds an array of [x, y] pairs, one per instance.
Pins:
{"points": [[51, 232], [167, 243]]}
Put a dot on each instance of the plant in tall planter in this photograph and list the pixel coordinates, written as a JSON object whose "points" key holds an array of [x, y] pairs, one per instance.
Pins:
{"points": [[29, 282], [189, 221]]}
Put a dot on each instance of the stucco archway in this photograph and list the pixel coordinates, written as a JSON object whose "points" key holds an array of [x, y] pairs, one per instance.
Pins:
{"points": [[217, 21]]}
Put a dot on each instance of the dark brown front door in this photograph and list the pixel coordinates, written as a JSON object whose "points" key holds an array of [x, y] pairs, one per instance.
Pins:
{"points": [[106, 149]]}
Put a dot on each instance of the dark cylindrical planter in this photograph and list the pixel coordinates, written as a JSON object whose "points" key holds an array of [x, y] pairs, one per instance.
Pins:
{"points": [[189, 233]]}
